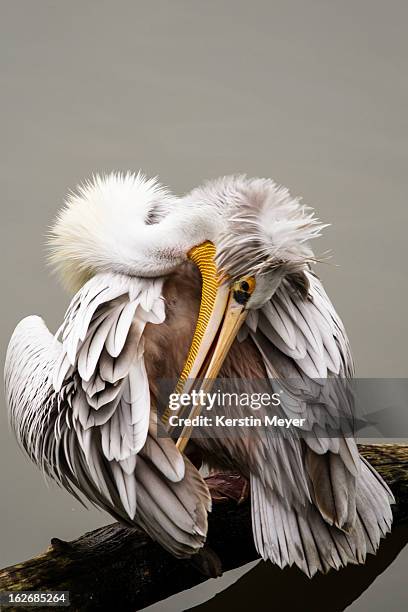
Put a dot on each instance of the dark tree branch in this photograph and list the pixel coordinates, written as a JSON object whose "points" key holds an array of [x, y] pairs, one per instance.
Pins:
{"points": [[116, 568]]}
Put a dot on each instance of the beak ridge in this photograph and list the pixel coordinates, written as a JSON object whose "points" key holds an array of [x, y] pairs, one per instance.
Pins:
{"points": [[234, 316]]}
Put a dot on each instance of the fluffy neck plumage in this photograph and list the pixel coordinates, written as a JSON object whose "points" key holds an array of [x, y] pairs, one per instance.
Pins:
{"points": [[121, 223], [132, 225]]}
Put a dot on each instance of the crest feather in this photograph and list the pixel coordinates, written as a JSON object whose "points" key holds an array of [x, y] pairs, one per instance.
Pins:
{"points": [[265, 227]]}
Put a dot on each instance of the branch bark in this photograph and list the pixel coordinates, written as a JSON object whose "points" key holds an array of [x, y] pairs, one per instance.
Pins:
{"points": [[115, 567]]}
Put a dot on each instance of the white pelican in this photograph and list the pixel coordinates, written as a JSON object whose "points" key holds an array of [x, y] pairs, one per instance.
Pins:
{"points": [[162, 286]]}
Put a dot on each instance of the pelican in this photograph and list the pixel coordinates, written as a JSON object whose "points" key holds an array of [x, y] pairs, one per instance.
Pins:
{"points": [[217, 283]]}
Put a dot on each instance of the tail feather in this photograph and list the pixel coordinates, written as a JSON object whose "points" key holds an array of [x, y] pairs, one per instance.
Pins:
{"points": [[301, 536], [173, 513], [373, 487], [333, 488]]}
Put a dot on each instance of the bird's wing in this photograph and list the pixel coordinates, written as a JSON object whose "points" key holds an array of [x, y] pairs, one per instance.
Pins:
{"points": [[306, 357], [80, 406], [306, 354], [316, 475]]}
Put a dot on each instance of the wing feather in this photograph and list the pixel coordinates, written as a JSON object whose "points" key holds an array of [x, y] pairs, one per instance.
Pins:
{"points": [[317, 504], [304, 346], [80, 406]]}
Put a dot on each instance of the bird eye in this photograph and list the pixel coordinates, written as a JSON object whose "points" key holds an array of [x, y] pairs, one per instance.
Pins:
{"points": [[243, 289], [247, 284]]}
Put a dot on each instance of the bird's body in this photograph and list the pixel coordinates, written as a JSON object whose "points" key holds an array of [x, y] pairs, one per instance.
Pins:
{"points": [[147, 305]]}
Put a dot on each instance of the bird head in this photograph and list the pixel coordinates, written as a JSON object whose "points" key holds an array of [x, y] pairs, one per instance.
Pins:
{"points": [[260, 238], [262, 233]]}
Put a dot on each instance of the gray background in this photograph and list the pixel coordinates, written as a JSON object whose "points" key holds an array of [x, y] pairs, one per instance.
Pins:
{"points": [[312, 93]]}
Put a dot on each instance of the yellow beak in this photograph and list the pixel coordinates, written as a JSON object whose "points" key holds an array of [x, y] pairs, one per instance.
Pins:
{"points": [[218, 323]]}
